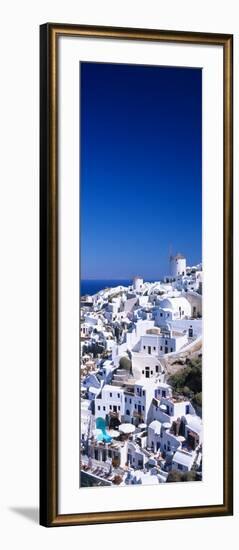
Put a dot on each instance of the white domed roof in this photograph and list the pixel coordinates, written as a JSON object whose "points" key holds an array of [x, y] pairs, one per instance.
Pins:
{"points": [[174, 303]]}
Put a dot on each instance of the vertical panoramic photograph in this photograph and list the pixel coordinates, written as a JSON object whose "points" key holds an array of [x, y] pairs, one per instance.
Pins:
{"points": [[141, 275]]}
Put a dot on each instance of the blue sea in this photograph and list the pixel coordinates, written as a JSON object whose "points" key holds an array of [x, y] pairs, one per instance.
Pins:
{"points": [[91, 286]]}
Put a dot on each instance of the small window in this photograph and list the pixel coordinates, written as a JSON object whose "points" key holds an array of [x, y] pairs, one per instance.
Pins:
{"points": [[166, 342], [144, 347], [171, 349], [98, 407], [130, 401], [151, 372], [180, 467], [110, 407], [103, 408], [118, 394], [143, 392], [143, 407], [161, 348], [125, 399], [110, 394], [142, 371], [118, 407], [161, 315], [157, 368], [135, 406], [154, 348]]}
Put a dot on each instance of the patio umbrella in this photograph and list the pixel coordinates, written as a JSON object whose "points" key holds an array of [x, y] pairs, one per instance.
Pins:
{"points": [[114, 433], [127, 428]]}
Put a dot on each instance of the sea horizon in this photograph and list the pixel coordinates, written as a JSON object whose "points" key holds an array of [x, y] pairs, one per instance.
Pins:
{"points": [[92, 286]]}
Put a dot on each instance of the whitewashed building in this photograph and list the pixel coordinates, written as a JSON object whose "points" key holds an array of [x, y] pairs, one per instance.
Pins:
{"points": [[135, 455], [193, 429], [154, 435], [138, 404], [106, 371], [110, 401], [173, 308], [146, 366], [162, 341], [138, 284], [183, 460], [177, 265], [168, 409]]}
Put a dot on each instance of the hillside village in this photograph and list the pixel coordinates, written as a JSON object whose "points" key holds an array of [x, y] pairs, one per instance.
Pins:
{"points": [[141, 357]]}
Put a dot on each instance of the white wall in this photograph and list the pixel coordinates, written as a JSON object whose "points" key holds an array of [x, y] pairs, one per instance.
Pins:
{"points": [[19, 265]]}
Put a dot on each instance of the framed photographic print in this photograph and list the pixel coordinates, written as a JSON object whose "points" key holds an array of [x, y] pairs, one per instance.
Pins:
{"points": [[136, 275]]}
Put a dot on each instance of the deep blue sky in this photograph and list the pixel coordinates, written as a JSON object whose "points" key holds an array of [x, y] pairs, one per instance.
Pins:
{"points": [[140, 169]]}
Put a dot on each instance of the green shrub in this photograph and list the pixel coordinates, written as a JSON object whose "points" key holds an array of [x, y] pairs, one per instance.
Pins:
{"points": [[125, 363], [188, 381], [174, 476], [198, 399], [190, 476]]}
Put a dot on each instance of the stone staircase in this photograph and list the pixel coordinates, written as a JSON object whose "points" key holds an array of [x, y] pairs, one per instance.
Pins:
{"points": [[120, 377]]}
